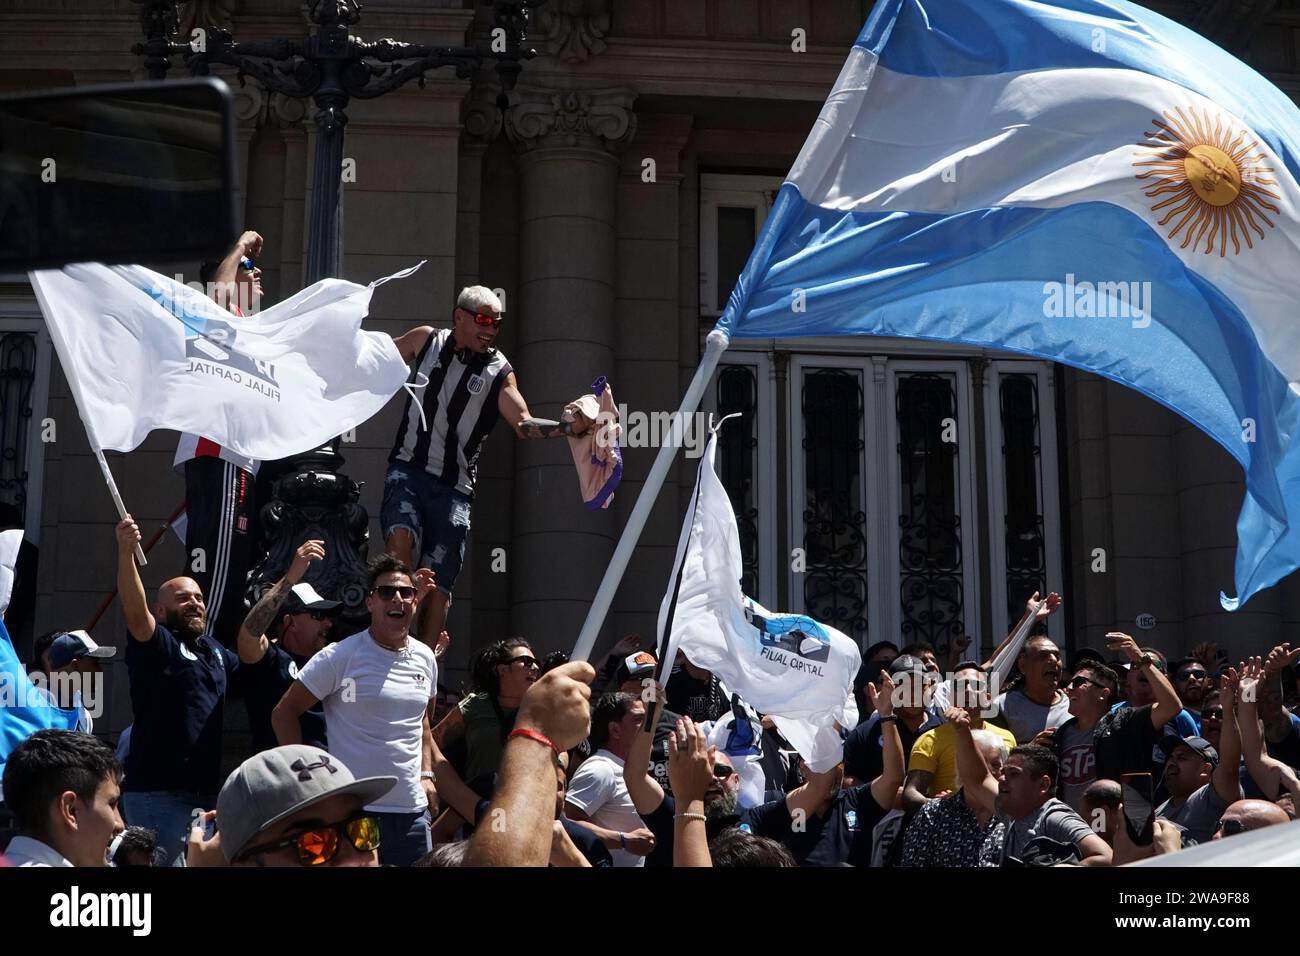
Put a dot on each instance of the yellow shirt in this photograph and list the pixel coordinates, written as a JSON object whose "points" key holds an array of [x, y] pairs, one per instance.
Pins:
{"points": [[935, 752]]}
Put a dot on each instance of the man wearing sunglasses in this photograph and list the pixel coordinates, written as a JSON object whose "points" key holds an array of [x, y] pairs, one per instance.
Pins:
{"points": [[295, 806], [656, 804], [299, 621], [1246, 815], [1192, 681], [376, 687], [433, 465], [1090, 691]]}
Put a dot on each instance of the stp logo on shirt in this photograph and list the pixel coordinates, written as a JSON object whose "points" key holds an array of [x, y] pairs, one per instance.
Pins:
{"points": [[851, 818], [475, 384]]}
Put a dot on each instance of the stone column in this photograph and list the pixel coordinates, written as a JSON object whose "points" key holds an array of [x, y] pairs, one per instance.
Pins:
{"points": [[1091, 603], [564, 316], [482, 591], [647, 329]]}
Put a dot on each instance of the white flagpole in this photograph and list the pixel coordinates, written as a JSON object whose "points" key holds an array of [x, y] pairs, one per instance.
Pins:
{"points": [[715, 345], [61, 349]]}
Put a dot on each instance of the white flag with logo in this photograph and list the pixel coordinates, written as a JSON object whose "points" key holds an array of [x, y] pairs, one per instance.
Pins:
{"points": [[142, 351], [788, 666]]}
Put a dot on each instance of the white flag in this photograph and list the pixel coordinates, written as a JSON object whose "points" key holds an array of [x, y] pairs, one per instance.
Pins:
{"points": [[142, 351], [788, 666], [10, 542]]}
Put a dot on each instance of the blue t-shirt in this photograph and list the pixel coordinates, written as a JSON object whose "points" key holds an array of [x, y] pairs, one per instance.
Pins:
{"points": [[178, 694], [864, 747]]}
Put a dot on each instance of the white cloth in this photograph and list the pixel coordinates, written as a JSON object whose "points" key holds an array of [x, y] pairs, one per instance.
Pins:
{"points": [[375, 700], [142, 351], [788, 666], [599, 791], [24, 851], [10, 542]]}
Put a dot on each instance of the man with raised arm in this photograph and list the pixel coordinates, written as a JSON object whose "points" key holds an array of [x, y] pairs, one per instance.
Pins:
{"points": [[179, 681], [429, 487], [299, 622]]}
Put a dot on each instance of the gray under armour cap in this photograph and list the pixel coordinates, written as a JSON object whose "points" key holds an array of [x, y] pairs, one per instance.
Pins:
{"points": [[277, 783]]}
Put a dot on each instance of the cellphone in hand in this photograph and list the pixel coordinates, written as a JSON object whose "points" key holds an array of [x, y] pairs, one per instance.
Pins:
{"points": [[1139, 807]]}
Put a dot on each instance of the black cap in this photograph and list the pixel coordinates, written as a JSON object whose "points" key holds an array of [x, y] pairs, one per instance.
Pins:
{"points": [[905, 663], [303, 597], [1199, 745]]}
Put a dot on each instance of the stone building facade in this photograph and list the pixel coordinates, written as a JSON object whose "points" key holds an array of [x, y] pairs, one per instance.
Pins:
{"points": [[895, 489]]}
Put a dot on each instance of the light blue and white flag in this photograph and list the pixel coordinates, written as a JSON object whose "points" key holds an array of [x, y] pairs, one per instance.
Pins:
{"points": [[795, 670], [1083, 181]]}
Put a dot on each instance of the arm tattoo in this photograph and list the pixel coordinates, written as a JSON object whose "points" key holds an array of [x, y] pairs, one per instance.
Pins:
{"points": [[263, 613]]}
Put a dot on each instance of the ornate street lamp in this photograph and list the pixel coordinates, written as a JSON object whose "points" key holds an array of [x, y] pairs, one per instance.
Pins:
{"points": [[331, 66]]}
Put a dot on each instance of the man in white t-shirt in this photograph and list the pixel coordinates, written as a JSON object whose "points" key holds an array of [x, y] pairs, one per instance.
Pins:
{"points": [[598, 797], [1039, 703], [376, 687]]}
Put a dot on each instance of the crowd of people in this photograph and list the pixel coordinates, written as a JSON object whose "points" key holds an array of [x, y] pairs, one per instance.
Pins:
{"points": [[1117, 757], [358, 758]]}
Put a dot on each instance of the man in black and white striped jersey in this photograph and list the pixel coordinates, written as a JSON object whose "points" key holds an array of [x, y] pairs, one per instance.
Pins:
{"points": [[430, 482]]}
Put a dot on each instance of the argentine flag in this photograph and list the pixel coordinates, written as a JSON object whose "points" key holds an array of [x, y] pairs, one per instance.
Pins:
{"points": [[1083, 181]]}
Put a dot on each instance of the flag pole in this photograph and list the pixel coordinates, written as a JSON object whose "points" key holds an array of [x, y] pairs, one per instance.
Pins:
{"points": [[61, 349], [715, 345], [105, 604]]}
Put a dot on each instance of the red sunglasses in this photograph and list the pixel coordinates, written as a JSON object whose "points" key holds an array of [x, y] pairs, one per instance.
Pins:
{"points": [[484, 318]]}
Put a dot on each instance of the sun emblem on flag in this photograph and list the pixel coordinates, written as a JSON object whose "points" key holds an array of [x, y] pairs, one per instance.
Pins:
{"points": [[1214, 181]]}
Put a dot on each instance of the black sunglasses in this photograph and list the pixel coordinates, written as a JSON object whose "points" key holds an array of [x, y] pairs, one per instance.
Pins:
{"points": [[388, 591], [1230, 827], [525, 660], [1187, 675], [1216, 714], [319, 845], [1081, 681], [722, 771]]}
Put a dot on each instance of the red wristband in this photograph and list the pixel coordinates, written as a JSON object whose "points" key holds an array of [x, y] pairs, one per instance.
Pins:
{"points": [[534, 735]]}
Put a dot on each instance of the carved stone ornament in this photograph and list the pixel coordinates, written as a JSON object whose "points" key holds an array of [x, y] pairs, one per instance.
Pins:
{"points": [[250, 102], [480, 112], [287, 110], [596, 119], [573, 29], [324, 506]]}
